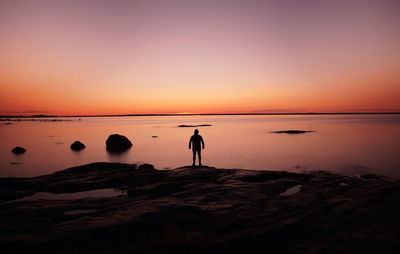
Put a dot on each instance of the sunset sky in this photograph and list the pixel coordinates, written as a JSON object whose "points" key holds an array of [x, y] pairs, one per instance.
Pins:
{"points": [[88, 57]]}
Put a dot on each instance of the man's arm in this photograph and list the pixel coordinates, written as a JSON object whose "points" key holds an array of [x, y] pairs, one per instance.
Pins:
{"points": [[190, 142], [202, 142]]}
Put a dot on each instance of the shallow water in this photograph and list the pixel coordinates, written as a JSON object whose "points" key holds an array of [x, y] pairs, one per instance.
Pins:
{"points": [[291, 191], [100, 193], [350, 144]]}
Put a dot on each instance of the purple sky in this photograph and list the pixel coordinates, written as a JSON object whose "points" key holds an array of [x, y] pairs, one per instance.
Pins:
{"points": [[199, 56]]}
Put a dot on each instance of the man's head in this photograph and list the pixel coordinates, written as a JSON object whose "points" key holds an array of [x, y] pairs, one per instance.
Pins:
{"points": [[196, 132]]}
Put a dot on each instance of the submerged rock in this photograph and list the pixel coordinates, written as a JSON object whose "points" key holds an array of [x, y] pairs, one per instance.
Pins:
{"points": [[116, 143], [18, 150], [77, 146], [291, 131], [195, 125]]}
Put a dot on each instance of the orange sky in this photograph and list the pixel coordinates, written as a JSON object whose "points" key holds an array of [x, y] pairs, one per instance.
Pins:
{"points": [[138, 57]]}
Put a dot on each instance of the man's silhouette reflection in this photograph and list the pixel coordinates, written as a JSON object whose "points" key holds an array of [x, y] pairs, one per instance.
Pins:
{"points": [[196, 143]]}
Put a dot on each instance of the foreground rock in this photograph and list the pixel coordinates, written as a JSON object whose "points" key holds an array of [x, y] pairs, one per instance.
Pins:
{"points": [[203, 210], [146, 165], [77, 146], [18, 150], [116, 143]]}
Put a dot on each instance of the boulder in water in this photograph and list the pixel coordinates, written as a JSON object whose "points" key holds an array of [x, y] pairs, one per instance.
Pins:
{"points": [[18, 150], [77, 146], [116, 143]]}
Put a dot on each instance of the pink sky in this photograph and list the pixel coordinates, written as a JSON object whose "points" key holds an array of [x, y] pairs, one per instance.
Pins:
{"points": [[118, 57]]}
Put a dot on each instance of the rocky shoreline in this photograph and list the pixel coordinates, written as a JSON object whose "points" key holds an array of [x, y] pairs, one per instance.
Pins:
{"points": [[201, 210]]}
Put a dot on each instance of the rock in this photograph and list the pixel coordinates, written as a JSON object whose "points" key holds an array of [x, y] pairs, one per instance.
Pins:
{"points": [[116, 143], [154, 136], [146, 166], [198, 211], [191, 167], [18, 150], [370, 176], [189, 125], [291, 131], [77, 146]]}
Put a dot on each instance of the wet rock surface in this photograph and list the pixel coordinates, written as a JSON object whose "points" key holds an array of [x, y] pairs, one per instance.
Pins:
{"points": [[201, 210]]}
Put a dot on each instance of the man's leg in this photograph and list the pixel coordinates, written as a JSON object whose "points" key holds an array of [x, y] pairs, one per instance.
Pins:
{"points": [[199, 153], [194, 157]]}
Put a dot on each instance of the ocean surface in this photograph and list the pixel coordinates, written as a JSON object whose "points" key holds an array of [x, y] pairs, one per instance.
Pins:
{"points": [[347, 144]]}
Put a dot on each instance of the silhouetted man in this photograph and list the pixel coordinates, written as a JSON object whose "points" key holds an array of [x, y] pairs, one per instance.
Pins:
{"points": [[194, 143]]}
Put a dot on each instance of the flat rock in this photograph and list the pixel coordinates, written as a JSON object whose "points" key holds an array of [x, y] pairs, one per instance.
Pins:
{"points": [[206, 210], [189, 166], [193, 125], [292, 131]]}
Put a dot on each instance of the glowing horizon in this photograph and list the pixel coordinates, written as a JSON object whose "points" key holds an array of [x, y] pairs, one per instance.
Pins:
{"points": [[153, 57]]}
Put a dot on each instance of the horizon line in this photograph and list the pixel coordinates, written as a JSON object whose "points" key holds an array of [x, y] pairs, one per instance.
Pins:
{"points": [[202, 114]]}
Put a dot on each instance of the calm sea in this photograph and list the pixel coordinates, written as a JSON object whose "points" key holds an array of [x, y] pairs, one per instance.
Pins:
{"points": [[349, 144]]}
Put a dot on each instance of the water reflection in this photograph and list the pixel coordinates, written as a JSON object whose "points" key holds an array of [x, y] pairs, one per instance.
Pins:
{"points": [[119, 156], [345, 144]]}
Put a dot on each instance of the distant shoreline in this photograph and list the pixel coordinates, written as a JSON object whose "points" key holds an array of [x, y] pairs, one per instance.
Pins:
{"points": [[206, 114]]}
